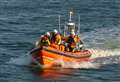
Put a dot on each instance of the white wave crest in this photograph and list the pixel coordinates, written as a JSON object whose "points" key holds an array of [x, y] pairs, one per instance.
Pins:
{"points": [[104, 53]]}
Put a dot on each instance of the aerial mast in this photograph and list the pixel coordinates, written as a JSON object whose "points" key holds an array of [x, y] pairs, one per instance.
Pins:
{"points": [[78, 32], [71, 13], [59, 24]]}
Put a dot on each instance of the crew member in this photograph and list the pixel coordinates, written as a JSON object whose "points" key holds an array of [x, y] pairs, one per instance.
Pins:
{"points": [[72, 41], [56, 37], [45, 39]]}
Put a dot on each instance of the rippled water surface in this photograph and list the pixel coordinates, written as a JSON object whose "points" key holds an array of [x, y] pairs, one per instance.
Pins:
{"points": [[23, 21]]}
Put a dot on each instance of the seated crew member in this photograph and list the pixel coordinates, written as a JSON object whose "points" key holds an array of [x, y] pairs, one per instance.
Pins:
{"points": [[56, 40], [79, 43], [45, 39], [56, 37], [71, 42]]}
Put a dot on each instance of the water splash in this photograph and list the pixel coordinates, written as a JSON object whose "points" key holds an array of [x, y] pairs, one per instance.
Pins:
{"points": [[104, 57], [22, 60], [72, 64], [104, 53], [107, 60], [81, 65]]}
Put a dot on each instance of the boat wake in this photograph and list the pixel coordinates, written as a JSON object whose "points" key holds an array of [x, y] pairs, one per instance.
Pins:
{"points": [[104, 53], [105, 56], [81, 65], [99, 58]]}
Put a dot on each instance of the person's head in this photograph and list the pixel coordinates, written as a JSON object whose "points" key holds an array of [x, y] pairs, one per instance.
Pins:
{"points": [[47, 33], [55, 31]]}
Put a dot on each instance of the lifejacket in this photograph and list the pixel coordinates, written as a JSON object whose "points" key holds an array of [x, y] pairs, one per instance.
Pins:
{"points": [[61, 47], [71, 40], [77, 39], [56, 39], [54, 46], [45, 40]]}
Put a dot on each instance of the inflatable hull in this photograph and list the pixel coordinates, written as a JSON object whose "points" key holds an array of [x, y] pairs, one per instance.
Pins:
{"points": [[48, 56]]}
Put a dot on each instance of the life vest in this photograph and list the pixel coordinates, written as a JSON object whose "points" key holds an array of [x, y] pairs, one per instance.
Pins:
{"points": [[45, 40], [77, 39], [70, 39], [56, 39], [54, 46], [61, 47], [73, 40]]}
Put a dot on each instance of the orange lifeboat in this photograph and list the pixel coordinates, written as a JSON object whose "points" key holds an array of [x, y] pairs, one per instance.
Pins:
{"points": [[47, 55]]}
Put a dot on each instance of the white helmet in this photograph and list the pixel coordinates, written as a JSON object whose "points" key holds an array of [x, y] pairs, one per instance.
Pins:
{"points": [[73, 33], [48, 33], [42, 36], [55, 31], [73, 30]]}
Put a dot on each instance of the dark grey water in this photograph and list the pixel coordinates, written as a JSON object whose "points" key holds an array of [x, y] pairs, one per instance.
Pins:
{"points": [[23, 21]]}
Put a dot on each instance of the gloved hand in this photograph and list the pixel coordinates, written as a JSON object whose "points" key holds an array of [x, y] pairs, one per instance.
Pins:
{"points": [[66, 44], [80, 46], [37, 43]]}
